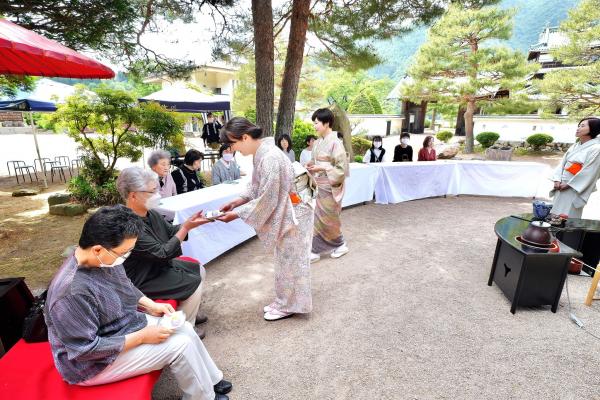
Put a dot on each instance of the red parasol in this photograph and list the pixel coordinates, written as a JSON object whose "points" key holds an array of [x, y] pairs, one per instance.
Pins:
{"points": [[23, 52]]}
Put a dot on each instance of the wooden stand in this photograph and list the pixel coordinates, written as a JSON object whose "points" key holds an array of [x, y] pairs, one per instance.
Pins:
{"points": [[592, 291]]}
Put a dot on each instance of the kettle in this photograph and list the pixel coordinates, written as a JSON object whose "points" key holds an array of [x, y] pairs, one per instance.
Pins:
{"points": [[538, 234]]}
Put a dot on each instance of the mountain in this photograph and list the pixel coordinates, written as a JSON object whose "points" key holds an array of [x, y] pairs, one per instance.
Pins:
{"points": [[531, 18]]}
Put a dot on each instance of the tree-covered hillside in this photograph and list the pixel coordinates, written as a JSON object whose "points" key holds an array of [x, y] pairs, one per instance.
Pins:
{"points": [[532, 16]]}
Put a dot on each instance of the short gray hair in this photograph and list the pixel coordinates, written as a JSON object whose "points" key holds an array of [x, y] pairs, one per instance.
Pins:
{"points": [[158, 155], [134, 179]]}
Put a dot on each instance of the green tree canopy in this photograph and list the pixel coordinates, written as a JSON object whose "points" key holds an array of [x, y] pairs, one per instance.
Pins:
{"points": [[577, 89], [459, 64]]}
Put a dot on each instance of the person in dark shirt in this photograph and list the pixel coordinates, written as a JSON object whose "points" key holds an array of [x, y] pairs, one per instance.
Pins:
{"points": [[96, 333], [403, 151], [186, 177], [210, 132]]}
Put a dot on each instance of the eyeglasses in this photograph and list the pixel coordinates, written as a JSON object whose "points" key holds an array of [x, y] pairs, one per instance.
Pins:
{"points": [[116, 255]]}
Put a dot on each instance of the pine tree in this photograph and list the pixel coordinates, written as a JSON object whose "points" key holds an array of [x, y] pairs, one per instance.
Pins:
{"points": [[458, 64], [577, 89]]}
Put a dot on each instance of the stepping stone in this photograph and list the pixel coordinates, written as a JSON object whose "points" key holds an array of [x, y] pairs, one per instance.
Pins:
{"points": [[24, 192], [67, 209], [58, 198]]}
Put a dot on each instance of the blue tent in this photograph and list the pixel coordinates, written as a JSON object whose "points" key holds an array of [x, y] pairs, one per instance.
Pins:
{"points": [[27, 105], [189, 100]]}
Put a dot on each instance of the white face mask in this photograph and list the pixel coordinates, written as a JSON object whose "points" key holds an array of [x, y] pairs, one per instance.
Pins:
{"points": [[227, 157], [118, 261], [377, 144], [404, 141], [153, 201]]}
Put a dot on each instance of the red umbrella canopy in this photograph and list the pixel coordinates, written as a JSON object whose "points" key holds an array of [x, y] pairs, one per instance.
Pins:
{"points": [[23, 52]]}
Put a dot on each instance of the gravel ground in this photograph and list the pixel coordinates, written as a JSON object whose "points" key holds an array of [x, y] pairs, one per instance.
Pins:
{"points": [[407, 314]]}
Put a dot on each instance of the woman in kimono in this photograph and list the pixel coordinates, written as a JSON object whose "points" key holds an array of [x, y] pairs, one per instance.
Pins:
{"points": [[328, 166], [576, 176], [281, 219]]}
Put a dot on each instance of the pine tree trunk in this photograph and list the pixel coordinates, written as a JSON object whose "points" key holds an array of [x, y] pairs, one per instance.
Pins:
{"points": [[432, 126], [262, 21], [469, 142], [293, 67]]}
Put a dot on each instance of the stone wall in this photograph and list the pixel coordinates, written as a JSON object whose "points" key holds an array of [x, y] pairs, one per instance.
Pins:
{"points": [[11, 119]]}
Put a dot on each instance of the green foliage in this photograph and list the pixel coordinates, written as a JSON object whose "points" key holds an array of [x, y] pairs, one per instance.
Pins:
{"points": [[301, 130], [46, 121], [11, 84], [461, 63], [344, 86], [112, 116], [358, 159], [92, 195], [531, 18], [539, 140], [487, 139], [578, 89], [250, 115], [515, 105], [365, 103], [360, 144], [112, 28], [444, 136], [160, 126]]}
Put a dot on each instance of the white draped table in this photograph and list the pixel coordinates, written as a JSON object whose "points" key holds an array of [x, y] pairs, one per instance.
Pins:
{"points": [[406, 181], [208, 241]]}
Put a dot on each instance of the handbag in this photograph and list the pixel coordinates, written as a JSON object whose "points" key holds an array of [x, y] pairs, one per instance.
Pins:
{"points": [[34, 324]]}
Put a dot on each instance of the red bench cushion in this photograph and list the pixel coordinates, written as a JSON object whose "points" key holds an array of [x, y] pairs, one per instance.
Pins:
{"points": [[27, 372]]}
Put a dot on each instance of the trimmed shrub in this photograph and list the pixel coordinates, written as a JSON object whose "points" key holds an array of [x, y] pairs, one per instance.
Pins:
{"points": [[539, 140], [487, 139], [360, 145], [365, 103], [92, 195], [358, 159], [299, 133], [250, 115], [444, 136]]}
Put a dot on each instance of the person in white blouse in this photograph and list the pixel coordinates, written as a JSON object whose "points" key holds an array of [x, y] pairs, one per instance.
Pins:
{"points": [[376, 153], [306, 154]]}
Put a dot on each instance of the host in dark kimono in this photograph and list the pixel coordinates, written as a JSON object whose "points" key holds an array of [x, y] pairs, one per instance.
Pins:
{"points": [[153, 266]]}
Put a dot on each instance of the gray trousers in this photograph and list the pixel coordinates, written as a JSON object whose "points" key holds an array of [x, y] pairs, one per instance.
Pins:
{"points": [[184, 352]]}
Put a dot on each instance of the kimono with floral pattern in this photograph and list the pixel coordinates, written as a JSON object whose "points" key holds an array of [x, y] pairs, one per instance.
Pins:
{"points": [[281, 226]]}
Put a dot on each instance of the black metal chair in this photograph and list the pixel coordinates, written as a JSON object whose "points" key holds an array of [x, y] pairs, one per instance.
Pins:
{"points": [[21, 168], [41, 162], [60, 171]]}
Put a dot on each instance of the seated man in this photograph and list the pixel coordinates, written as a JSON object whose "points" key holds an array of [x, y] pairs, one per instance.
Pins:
{"points": [[153, 266], [97, 335]]}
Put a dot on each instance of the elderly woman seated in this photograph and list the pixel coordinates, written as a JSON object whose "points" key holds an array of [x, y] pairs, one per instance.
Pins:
{"points": [[153, 266], [97, 335], [226, 169], [160, 162]]}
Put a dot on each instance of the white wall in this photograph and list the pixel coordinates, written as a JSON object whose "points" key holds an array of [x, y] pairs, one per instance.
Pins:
{"points": [[375, 124], [520, 127]]}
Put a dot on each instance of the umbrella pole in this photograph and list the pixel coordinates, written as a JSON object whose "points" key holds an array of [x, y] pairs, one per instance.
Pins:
{"points": [[37, 149]]}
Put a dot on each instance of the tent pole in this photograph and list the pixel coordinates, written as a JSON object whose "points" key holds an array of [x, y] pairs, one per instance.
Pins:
{"points": [[37, 149]]}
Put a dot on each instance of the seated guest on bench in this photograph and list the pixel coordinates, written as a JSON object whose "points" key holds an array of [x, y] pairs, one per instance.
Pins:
{"points": [[427, 153], [186, 177], [403, 151], [97, 335], [153, 266], [376, 153], [226, 169], [160, 162]]}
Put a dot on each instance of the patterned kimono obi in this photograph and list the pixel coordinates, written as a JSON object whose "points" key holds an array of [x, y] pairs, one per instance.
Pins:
{"points": [[329, 153], [580, 169]]}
